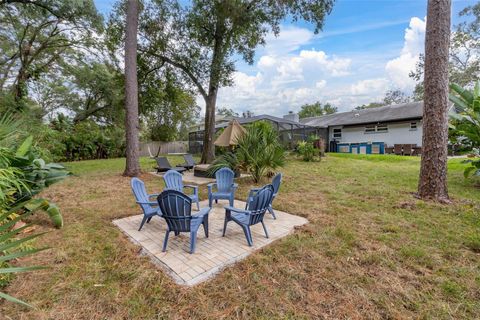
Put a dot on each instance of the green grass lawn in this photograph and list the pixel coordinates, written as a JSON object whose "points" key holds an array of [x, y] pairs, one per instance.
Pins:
{"points": [[371, 250]]}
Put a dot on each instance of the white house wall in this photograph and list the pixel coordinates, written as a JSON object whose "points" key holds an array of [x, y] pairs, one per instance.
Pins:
{"points": [[398, 133]]}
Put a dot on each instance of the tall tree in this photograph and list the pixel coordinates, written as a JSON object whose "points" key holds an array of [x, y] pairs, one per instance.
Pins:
{"points": [[200, 40], [393, 96], [433, 172], [226, 112], [132, 167], [316, 109], [167, 109], [38, 35], [396, 97]]}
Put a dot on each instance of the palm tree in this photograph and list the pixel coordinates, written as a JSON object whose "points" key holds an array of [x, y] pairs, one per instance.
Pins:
{"points": [[433, 172]]}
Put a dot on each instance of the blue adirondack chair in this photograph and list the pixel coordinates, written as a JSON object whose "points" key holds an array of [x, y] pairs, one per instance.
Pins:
{"points": [[177, 211], [173, 180], [276, 181], [252, 215], [224, 185], [150, 208]]}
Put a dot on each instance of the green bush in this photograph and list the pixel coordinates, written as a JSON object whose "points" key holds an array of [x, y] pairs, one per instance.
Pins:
{"points": [[259, 151], [307, 150], [466, 121], [225, 160], [85, 140]]}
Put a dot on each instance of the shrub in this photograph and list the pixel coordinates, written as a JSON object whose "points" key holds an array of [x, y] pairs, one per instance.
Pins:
{"points": [[225, 160], [85, 140], [259, 151], [307, 150]]}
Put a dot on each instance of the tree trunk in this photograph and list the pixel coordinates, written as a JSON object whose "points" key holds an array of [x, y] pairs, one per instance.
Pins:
{"points": [[433, 172], [208, 152], [131, 91], [20, 84]]}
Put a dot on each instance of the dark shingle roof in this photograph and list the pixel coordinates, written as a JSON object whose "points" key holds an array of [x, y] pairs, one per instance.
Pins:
{"points": [[413, 110], [264, 117]]}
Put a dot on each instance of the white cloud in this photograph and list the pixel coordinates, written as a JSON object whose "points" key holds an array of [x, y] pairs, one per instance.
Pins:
{"points": [[399, 68], [370, 87], [283, 83], [291, 38], [321, 84], [336, 66]]}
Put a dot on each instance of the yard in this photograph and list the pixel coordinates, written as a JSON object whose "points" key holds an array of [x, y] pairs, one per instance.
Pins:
{"points": [[371, 250]]}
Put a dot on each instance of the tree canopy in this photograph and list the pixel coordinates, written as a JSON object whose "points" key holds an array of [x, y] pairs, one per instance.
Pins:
{"points": [[37, 39], [392, 97], [316, 109]]}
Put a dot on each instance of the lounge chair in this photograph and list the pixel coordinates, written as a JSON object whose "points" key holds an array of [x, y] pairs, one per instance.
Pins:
{"points": [[276, 181], [189, 161], [408, 149], [225, 187], [163, 165], [397, 149], [173, 180], [150, 207], [177, 212], [252, 215]]}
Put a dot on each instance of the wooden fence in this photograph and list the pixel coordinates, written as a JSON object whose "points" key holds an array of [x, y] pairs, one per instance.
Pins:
{"points": [[151, 149]]}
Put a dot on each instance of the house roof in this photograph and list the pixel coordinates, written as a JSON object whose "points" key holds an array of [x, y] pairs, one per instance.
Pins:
{"points": [[266, 117], [413, 110]]}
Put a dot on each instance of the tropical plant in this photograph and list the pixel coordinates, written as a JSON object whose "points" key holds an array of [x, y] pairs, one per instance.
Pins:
{"points": [[228, 160], [12, 247], [259, 151], [23, 175], [307, 150], [466, 120]]}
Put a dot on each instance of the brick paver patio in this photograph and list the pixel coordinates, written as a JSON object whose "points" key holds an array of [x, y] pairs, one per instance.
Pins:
{"points": [[212, 254]]}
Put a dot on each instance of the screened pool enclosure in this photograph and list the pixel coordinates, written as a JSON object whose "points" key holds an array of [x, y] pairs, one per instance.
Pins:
{"points": [[289, 131]]}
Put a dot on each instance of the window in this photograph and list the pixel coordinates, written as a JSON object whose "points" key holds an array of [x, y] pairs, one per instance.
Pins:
{"points": [[382, 128], [413, 126], [337, 133], [376, 128]]}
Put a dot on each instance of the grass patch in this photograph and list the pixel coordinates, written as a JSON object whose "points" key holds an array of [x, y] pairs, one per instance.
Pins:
{"points": [[371, 250], [473, 242]]}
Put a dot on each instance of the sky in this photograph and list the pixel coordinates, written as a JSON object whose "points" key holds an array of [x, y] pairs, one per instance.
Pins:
{"points": [[365, 48]]}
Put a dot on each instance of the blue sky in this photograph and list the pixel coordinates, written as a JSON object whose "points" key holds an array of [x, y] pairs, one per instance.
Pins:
{"points": [[365, 48]]}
